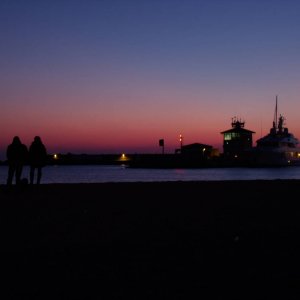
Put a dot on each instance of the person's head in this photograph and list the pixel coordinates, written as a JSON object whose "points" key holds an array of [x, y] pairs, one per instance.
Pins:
{"points": [[37, 139], [16, 140]]}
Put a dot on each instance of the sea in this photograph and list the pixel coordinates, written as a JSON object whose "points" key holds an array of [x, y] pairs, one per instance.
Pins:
{"points": [[122, 173]]}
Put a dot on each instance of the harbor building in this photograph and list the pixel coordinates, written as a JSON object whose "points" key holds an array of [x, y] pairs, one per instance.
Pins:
{"points": [[236, 140]]}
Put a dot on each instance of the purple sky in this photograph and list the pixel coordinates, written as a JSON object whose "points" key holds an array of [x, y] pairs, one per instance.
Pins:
{"points": [[116, 76]]}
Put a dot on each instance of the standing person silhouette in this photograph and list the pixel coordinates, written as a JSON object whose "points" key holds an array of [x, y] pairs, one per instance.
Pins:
{"points": [[37, 158], [16, 154]]}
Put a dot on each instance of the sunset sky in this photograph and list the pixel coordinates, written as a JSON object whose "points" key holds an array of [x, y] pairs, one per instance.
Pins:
{"points": [[116, 76]]}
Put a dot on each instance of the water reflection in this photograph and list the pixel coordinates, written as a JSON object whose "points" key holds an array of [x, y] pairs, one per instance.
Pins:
{"points": [[96, 173]]}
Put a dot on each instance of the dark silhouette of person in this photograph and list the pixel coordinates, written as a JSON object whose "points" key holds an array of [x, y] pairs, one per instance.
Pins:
{"points": [[17, 155], [37, 159]]}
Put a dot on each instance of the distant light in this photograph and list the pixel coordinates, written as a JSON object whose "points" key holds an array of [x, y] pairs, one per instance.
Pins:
{"points": [[123, 157], [298, 154], [55, 156], [236, 156], [289, 161], [203, 149]]}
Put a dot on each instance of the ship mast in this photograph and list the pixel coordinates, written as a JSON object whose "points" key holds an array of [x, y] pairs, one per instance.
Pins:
{"points": [[275, 116]]}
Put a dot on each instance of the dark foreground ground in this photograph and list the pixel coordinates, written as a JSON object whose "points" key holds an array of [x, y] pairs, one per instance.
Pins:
{"points": [[180, 240]]}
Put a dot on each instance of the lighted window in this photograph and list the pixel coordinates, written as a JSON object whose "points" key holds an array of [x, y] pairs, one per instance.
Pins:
{"points": [[235, 135], [231, 136], [227, 136]]}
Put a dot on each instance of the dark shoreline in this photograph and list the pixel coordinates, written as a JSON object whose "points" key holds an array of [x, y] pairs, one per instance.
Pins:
{"points": [[152, 240]]}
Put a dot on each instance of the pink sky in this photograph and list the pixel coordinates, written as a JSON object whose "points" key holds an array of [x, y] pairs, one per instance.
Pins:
{"points": [[116, 77]]}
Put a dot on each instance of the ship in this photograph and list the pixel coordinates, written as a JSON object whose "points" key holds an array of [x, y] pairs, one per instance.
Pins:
{"points": [[279, 147]]}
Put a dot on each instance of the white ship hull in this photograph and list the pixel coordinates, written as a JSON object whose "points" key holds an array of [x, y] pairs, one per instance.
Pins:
{"points": [[279, 147]]}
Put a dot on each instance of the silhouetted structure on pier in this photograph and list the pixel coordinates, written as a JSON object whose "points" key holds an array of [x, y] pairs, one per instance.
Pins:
{"points": [[236, 140]]}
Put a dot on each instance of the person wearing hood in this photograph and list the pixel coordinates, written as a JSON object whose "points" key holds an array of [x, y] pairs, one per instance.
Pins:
{"points": [[37, 159]]}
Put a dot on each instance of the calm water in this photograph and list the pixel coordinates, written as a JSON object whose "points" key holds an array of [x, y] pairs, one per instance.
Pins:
{"points": [[94, 174]]}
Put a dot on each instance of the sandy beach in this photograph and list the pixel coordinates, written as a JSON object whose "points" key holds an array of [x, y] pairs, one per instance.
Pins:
{"points": [[151, 240]]}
